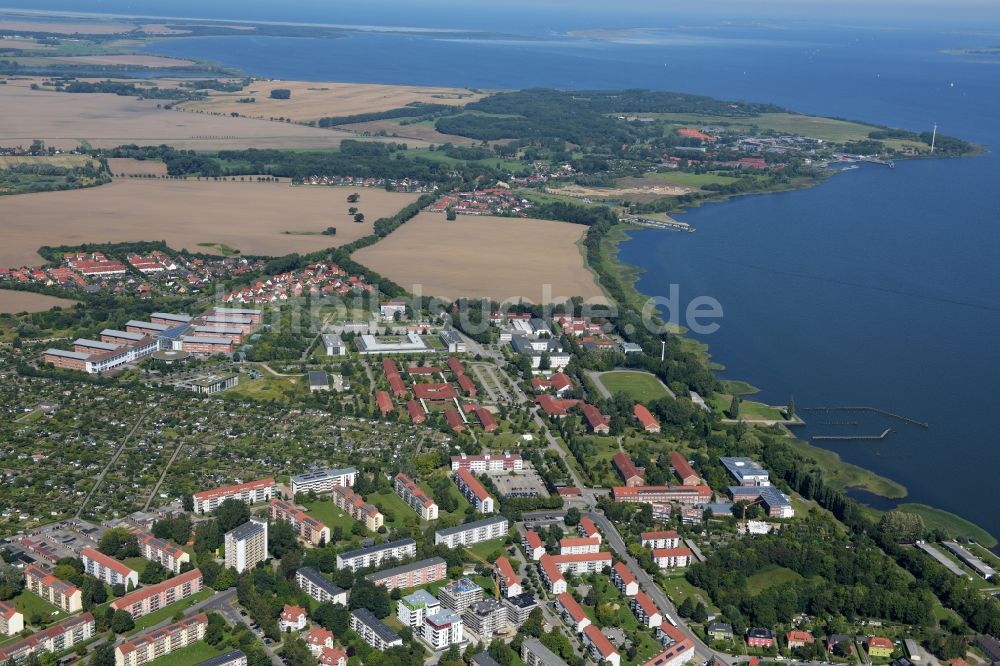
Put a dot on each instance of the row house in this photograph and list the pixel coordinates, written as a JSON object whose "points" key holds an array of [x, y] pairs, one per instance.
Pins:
{"points": [[58, 638], [158, 643], [152, 598]]}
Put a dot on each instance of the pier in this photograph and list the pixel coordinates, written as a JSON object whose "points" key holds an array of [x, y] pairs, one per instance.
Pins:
{"points": [[874, 410], [846, 438], [672, 225]]}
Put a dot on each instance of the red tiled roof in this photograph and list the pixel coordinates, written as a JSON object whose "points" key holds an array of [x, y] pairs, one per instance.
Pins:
{"points": [[660, 534], [553, 406], [133, 598], [534, 541], [442, 391], [595, 419], [318, 635], [570, 542], [107, 562], [623, 462], [570, 491], [680, 551], [583, 557], [879, 642], [550, 568], [799, 636], [507, 571], [416, 411], [646, 604], [589, 528], [646, 419], [454, 419], [599, 641], [624, 573], [292, 613], [682, 466], [383, 401], [572, 606], [232, 490], [469, 480]]}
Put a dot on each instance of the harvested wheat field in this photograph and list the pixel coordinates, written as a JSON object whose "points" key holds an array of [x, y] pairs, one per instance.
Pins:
{"points": [[126, 166], [25, 301], [106, 120], [502, 258], [311, 100], [201, 216]]}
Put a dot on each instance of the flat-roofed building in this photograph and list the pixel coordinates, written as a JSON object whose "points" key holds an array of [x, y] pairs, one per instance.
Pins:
{"points": [[242, 323], [254, 316], [152, 598], [415, 497], [373, 556], [323, 481], [519, 608], [443, 629], [355, 506], [474, 491], [533, 653], [121, 337], [163, 552], [410, 575], [309, 529], [485, 618], [108, 569], [59, 593], [68, 360], [319, 587], [334, 345], [204, 345], [170, 319], [85, 346], [475, 532], [414, 608], [250, 492], [58, 638], [232, 333], [11, 620], [747, 472], [157, 643], [145, 327], [246, 545], [373, 631], [460, 594]]}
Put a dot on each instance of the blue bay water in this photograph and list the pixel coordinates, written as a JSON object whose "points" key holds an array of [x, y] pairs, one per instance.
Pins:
{"points": [[879, 287]]}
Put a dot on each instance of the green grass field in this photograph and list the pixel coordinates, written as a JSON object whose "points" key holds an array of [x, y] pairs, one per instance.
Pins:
{"points": [[639, 386], [828, 129], [759, 411], [950, 523], [396, 511], [192, 654], [266, 388], [687, 179], [29, 604], [769, 577], [327, 512]]}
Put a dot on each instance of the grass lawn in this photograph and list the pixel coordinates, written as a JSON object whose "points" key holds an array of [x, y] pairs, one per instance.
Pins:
{"points": [[738, 387], [640, 386], [396, 511], [267, 388], [950, 523], [600, 462], [167, 612], [327, 512], [192, 654], [845, 475], [482, 550], [679, 589], [751, 410], [138, 564], [769, 577], [687, 179], [29, 604], [827, 129]]}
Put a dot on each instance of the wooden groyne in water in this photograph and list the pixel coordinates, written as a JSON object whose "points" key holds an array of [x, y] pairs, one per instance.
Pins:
{"points": [[845, 438], [874, 410]]}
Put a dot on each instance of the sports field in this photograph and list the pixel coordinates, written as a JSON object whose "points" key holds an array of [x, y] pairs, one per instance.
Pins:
{"points": [[639, 386]]}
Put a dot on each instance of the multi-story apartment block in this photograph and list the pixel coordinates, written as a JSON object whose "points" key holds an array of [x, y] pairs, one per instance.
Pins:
{"points": [[518, 608], [660, 539], [551, 575], [600, 647], [157, 643], [578, 545], [474, 532], [686, 495], [57, 592], [533, 653], [373, 556], [672, 558], [310, 530], [624, 579], [355, 506], [246, 545], [152, 598], [507, 580], [317, 586], [57, 638], [108, 569], [487, 462], [582, 563], [157, 550], [410, 575], [533, 546], [646, 611], [372, 630], [323, 481], [443, 629], [485, 618], [572, 612], [415, 497], [414, 608], [251, 492], [11, 620], [473, 490], [459, 594], [587, 529]]}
